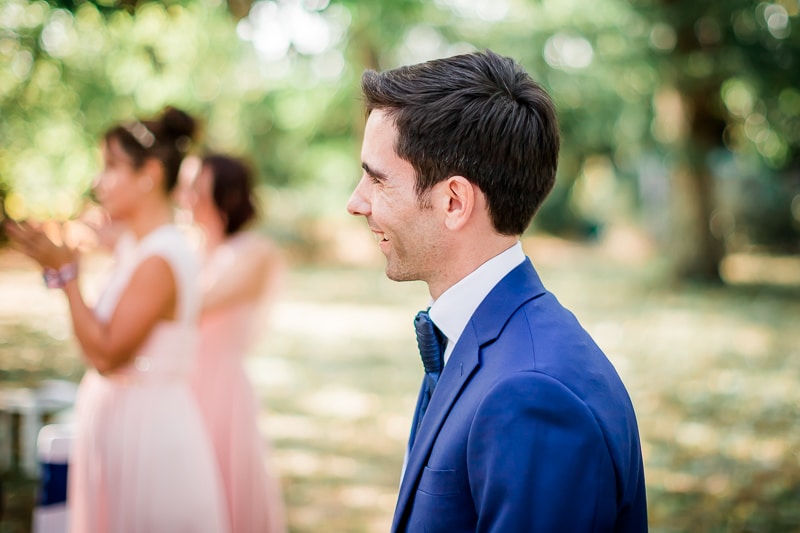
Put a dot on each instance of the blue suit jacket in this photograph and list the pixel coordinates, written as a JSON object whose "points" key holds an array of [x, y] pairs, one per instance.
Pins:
{"points": [[530, 428]]}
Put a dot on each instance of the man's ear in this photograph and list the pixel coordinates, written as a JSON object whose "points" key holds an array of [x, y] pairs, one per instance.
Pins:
{"points": [[460, 195]]}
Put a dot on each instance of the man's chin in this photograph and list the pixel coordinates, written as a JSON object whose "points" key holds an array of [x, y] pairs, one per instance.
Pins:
{"points": [[395, 274]]}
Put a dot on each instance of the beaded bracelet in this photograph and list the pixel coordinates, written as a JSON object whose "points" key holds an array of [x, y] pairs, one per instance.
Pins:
{"points": [[58, 279]]}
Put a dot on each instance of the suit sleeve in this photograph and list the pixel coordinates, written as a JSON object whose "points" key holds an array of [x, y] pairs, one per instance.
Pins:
{"points": [[538, 461]]}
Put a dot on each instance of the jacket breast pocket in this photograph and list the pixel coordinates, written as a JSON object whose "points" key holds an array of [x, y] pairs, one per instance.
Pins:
{"points": [[439, 482], [442, 504]]}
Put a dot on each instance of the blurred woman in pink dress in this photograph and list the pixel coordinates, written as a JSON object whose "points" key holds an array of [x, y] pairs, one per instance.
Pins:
{"points": [[142, 461], [240, 273]]}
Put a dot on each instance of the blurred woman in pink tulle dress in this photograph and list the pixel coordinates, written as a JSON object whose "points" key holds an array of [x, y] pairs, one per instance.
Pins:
{"points": [[240, 273], [142, 461]]}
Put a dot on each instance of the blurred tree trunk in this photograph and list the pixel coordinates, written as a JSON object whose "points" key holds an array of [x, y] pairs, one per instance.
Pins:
{"points": [[695, 252]]}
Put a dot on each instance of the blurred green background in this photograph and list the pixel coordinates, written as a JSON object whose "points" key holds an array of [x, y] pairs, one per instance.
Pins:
{"points": [[678, 117], [673, 230]]}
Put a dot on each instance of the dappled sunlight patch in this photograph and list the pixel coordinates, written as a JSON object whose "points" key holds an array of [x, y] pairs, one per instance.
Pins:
{"points": [[290, 427], [672, 481], [775, 390], [669, 420], [60, 328], [645, 400], [353, 244], [726, 381], [365, 496], [628, 244], [26, 299], [341, 321], [752, 340], [29, 355], [761, 269], [396, 426], [740, 444], [702, 437], [337, 401], [339, 466], [717, 484], [770, 452], [609, 335], [295, 462], [269, 371], [682, 337]]}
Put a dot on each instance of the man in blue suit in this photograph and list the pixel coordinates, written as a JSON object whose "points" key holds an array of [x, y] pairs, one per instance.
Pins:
{"points": [[527, 427]]}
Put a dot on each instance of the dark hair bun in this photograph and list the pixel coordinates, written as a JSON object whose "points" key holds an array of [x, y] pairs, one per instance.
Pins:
{"points": [[176, 123]]}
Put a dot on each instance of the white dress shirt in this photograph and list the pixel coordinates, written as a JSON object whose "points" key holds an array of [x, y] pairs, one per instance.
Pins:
{"points": [[453, 309]]}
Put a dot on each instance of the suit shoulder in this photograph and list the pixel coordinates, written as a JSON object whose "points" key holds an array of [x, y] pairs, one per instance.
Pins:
{"points": [[536, 394]]}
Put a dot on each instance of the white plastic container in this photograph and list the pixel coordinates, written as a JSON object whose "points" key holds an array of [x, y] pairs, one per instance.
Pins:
{"points": [[53, 448]]}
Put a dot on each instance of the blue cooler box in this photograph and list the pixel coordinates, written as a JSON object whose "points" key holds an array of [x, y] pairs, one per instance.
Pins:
{"points": [[53, 448]]}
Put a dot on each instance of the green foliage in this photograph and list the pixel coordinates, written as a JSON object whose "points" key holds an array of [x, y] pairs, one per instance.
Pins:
{"points": [[745, 53], [278, 82], [70, 75]]}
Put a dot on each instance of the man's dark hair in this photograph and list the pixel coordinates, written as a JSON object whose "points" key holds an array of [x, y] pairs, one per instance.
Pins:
{"points": [[477, 115]]}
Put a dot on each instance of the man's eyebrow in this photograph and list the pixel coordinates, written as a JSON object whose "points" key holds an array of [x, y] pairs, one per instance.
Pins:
{"points": [[373, 173]]}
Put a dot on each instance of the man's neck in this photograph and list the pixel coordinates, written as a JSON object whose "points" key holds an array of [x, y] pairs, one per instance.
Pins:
{"points": [[468, 259]]}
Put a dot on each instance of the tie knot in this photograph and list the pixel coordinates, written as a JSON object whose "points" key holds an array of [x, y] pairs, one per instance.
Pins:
{"points": [[429, 340]]}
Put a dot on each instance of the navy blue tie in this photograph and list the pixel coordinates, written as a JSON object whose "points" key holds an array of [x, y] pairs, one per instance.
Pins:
{"points": [[431, 348]]}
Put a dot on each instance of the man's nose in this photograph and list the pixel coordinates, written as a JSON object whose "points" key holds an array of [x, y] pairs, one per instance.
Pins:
{"points": [[358, 204]]}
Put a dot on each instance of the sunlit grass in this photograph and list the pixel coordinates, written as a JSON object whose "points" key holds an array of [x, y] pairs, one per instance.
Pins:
{"points": [[712, 372]]}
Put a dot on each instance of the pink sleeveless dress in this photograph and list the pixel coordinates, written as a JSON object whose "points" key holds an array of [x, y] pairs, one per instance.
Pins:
{"points": [[230, 408], [142, 460]]}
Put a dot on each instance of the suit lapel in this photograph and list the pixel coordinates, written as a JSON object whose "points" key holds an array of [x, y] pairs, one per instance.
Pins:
{"points": [[519, 286], [463, 361]]}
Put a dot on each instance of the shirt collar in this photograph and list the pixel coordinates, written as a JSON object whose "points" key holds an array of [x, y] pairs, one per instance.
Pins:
{"points": [[453, 309]]}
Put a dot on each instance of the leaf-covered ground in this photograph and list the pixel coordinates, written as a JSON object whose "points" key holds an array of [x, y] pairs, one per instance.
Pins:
{"points": [[713, 373]]}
